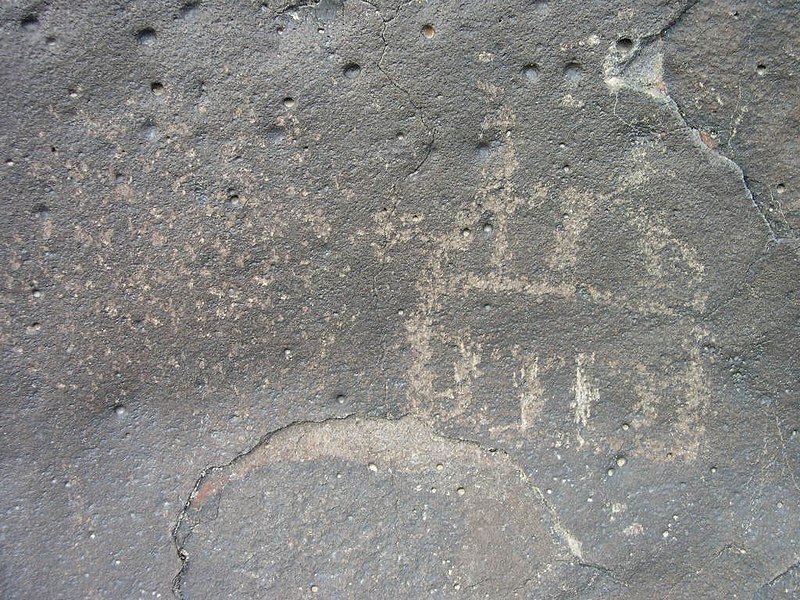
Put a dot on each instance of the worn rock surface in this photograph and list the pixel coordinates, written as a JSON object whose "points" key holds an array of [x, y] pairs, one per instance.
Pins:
{"points": [[373, 299]]}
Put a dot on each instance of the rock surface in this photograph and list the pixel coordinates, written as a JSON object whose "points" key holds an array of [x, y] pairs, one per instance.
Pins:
{"points": [[372, 299]]}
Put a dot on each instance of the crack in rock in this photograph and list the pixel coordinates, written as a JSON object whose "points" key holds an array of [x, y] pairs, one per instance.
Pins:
{"points": [[375, 483], [642, 70], [792, 572]]}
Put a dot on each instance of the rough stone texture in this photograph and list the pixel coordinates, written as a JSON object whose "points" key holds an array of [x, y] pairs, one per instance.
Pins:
{"points": [[744, 94], [267, 265], [361, 508]]}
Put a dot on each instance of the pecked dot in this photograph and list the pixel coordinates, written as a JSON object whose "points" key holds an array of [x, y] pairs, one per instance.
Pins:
{"points": [[428, 31], [624, 44], [761, 69], [483, 150], [29, 23], [275, 134], [780, 188], [188, 10], [150, 131], [351, 71], [542, 7], [157, 88], [146, 36], [531, 72], [573, 72], [289, 102], [232, 201], [41, 211]]}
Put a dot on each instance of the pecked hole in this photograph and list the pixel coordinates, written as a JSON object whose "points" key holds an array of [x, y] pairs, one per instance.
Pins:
{"points": [[146, 36], [352, 71], [573, 72], [531, 71], [29, 23], [188, 10], [624, 44]]}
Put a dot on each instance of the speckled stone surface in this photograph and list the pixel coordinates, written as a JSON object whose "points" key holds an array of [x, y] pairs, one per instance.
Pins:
{"points": [[370, 299]]}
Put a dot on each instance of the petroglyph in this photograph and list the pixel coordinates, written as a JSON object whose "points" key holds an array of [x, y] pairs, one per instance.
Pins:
{"points": [[585, 393], [662, 259], [518, 222], [531, 398], [577, 208]]}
